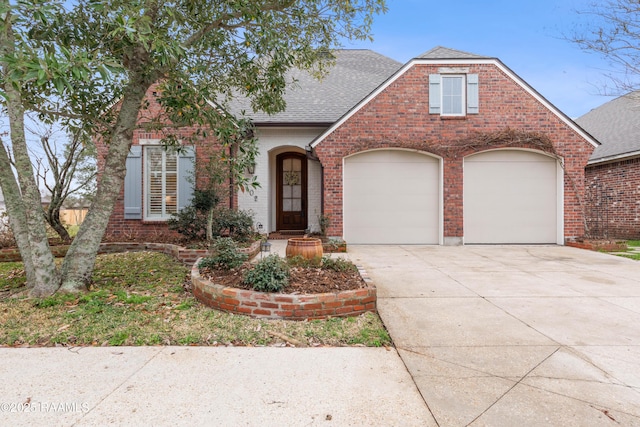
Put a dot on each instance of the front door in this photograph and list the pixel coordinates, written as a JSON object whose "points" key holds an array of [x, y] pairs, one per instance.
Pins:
{"points": [[291, 193]]}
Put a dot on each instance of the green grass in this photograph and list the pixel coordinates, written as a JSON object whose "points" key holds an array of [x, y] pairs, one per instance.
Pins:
{"points": [[142, 298], [633, 242], [633, 256]]}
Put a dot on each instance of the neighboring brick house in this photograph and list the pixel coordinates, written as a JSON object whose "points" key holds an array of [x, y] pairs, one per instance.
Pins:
{"points": [[450, 148], [613, 171]]}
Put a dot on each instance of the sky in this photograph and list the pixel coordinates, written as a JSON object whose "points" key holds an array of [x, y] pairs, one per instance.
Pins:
{"points": [[528, 36]]}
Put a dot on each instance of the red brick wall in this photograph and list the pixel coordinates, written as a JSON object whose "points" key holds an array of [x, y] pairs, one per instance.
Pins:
{"points": [[131, 229], [398, 117], [613, 195]]}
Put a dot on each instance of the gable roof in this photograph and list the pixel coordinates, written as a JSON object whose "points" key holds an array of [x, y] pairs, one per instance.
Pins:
{"points": [[355, 74], [616, 124], [440, 52], [445, 56]]}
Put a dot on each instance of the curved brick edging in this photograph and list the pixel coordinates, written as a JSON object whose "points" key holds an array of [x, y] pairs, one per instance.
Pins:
{"points": [[186, 256], [284, 306]]}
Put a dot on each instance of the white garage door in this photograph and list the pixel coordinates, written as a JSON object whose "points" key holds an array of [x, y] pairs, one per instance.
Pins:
{"points": [[510, 196], [391, 196]]}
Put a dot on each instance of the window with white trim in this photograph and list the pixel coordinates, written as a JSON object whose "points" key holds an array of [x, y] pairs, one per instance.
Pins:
{"points": [[453, 94], [161, 183]]}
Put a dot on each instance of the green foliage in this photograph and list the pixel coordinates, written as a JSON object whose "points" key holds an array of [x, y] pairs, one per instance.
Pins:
{"points": [[203, 200], [326, 263], [73, 61], [338, 264], [238, 224], [225, 255], [301, 262], [270, 274], [191, 222], [172, 315]]}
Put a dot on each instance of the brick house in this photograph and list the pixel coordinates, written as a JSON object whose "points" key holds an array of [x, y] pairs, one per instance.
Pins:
{"points": [[450, 148], [613, 171]]}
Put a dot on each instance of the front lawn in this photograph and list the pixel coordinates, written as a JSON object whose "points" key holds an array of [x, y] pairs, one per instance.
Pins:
{"points": [[144, 298]]}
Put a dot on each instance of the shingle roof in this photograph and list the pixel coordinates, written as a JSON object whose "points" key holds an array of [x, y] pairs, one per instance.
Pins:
{"points": [[440, 52], [616, 125], [355, 74]]}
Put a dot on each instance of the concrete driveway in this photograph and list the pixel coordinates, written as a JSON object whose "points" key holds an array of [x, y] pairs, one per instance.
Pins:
{"points": [[514, 335]]}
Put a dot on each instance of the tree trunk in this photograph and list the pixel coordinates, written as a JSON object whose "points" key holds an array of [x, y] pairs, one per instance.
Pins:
{"points": [[17, 215], [52, 216], [45, 279], [78, 264], [209, 230]]}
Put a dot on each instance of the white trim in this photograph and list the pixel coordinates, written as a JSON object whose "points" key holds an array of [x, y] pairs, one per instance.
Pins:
{"points": [[491, 61], [614, 158], [149, 142], [560, 189]]}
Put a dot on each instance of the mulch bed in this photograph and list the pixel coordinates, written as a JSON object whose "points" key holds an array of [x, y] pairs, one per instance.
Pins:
{"points": [[303, 280]]}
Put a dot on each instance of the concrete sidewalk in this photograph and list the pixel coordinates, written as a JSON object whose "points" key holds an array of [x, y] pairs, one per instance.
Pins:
{"points": [[168, 386], [514, 335]]}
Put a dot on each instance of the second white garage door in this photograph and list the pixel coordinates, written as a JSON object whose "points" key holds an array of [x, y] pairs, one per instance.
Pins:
{"points": [[392, 197], [511, 196]]}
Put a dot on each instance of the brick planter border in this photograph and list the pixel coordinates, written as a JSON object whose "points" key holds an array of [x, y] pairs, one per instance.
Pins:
{"points": [[184, 255], [598, 245], [284, 306]]}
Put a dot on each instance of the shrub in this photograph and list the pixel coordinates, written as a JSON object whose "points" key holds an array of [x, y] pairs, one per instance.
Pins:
{"points": [[338, 264], [189, 222], [271, 274], [300, 261], [237, 224], [225, 255]]}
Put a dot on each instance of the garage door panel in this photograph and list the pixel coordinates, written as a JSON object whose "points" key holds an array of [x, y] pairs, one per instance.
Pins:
{"points": [[391, 196], [510, 196]]}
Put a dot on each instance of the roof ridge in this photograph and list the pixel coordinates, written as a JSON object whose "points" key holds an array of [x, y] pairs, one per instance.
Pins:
{"points": [[442, 52]]}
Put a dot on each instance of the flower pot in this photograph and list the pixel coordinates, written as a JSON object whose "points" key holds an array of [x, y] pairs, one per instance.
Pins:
{"points": [[306, 247]]}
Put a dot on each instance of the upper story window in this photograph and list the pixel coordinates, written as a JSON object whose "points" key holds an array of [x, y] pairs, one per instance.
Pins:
{"points": [[453, 94]]}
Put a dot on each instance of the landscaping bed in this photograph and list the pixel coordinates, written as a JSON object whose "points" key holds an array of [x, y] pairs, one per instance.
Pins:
{"points": [[145, 298], [312, 293]]}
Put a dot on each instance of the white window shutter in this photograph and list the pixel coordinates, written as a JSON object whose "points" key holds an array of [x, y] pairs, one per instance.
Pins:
{"points": [[434, 94], [133, 184], [472, 94], [186, 167]]}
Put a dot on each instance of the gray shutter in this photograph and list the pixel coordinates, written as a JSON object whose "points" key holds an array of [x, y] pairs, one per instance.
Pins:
{"points": [[186, 177], [472, 94], [133, 184], [434, 94]]}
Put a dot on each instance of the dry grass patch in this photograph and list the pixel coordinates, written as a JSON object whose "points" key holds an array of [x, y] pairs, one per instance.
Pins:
{"points": [[144, 298]]}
